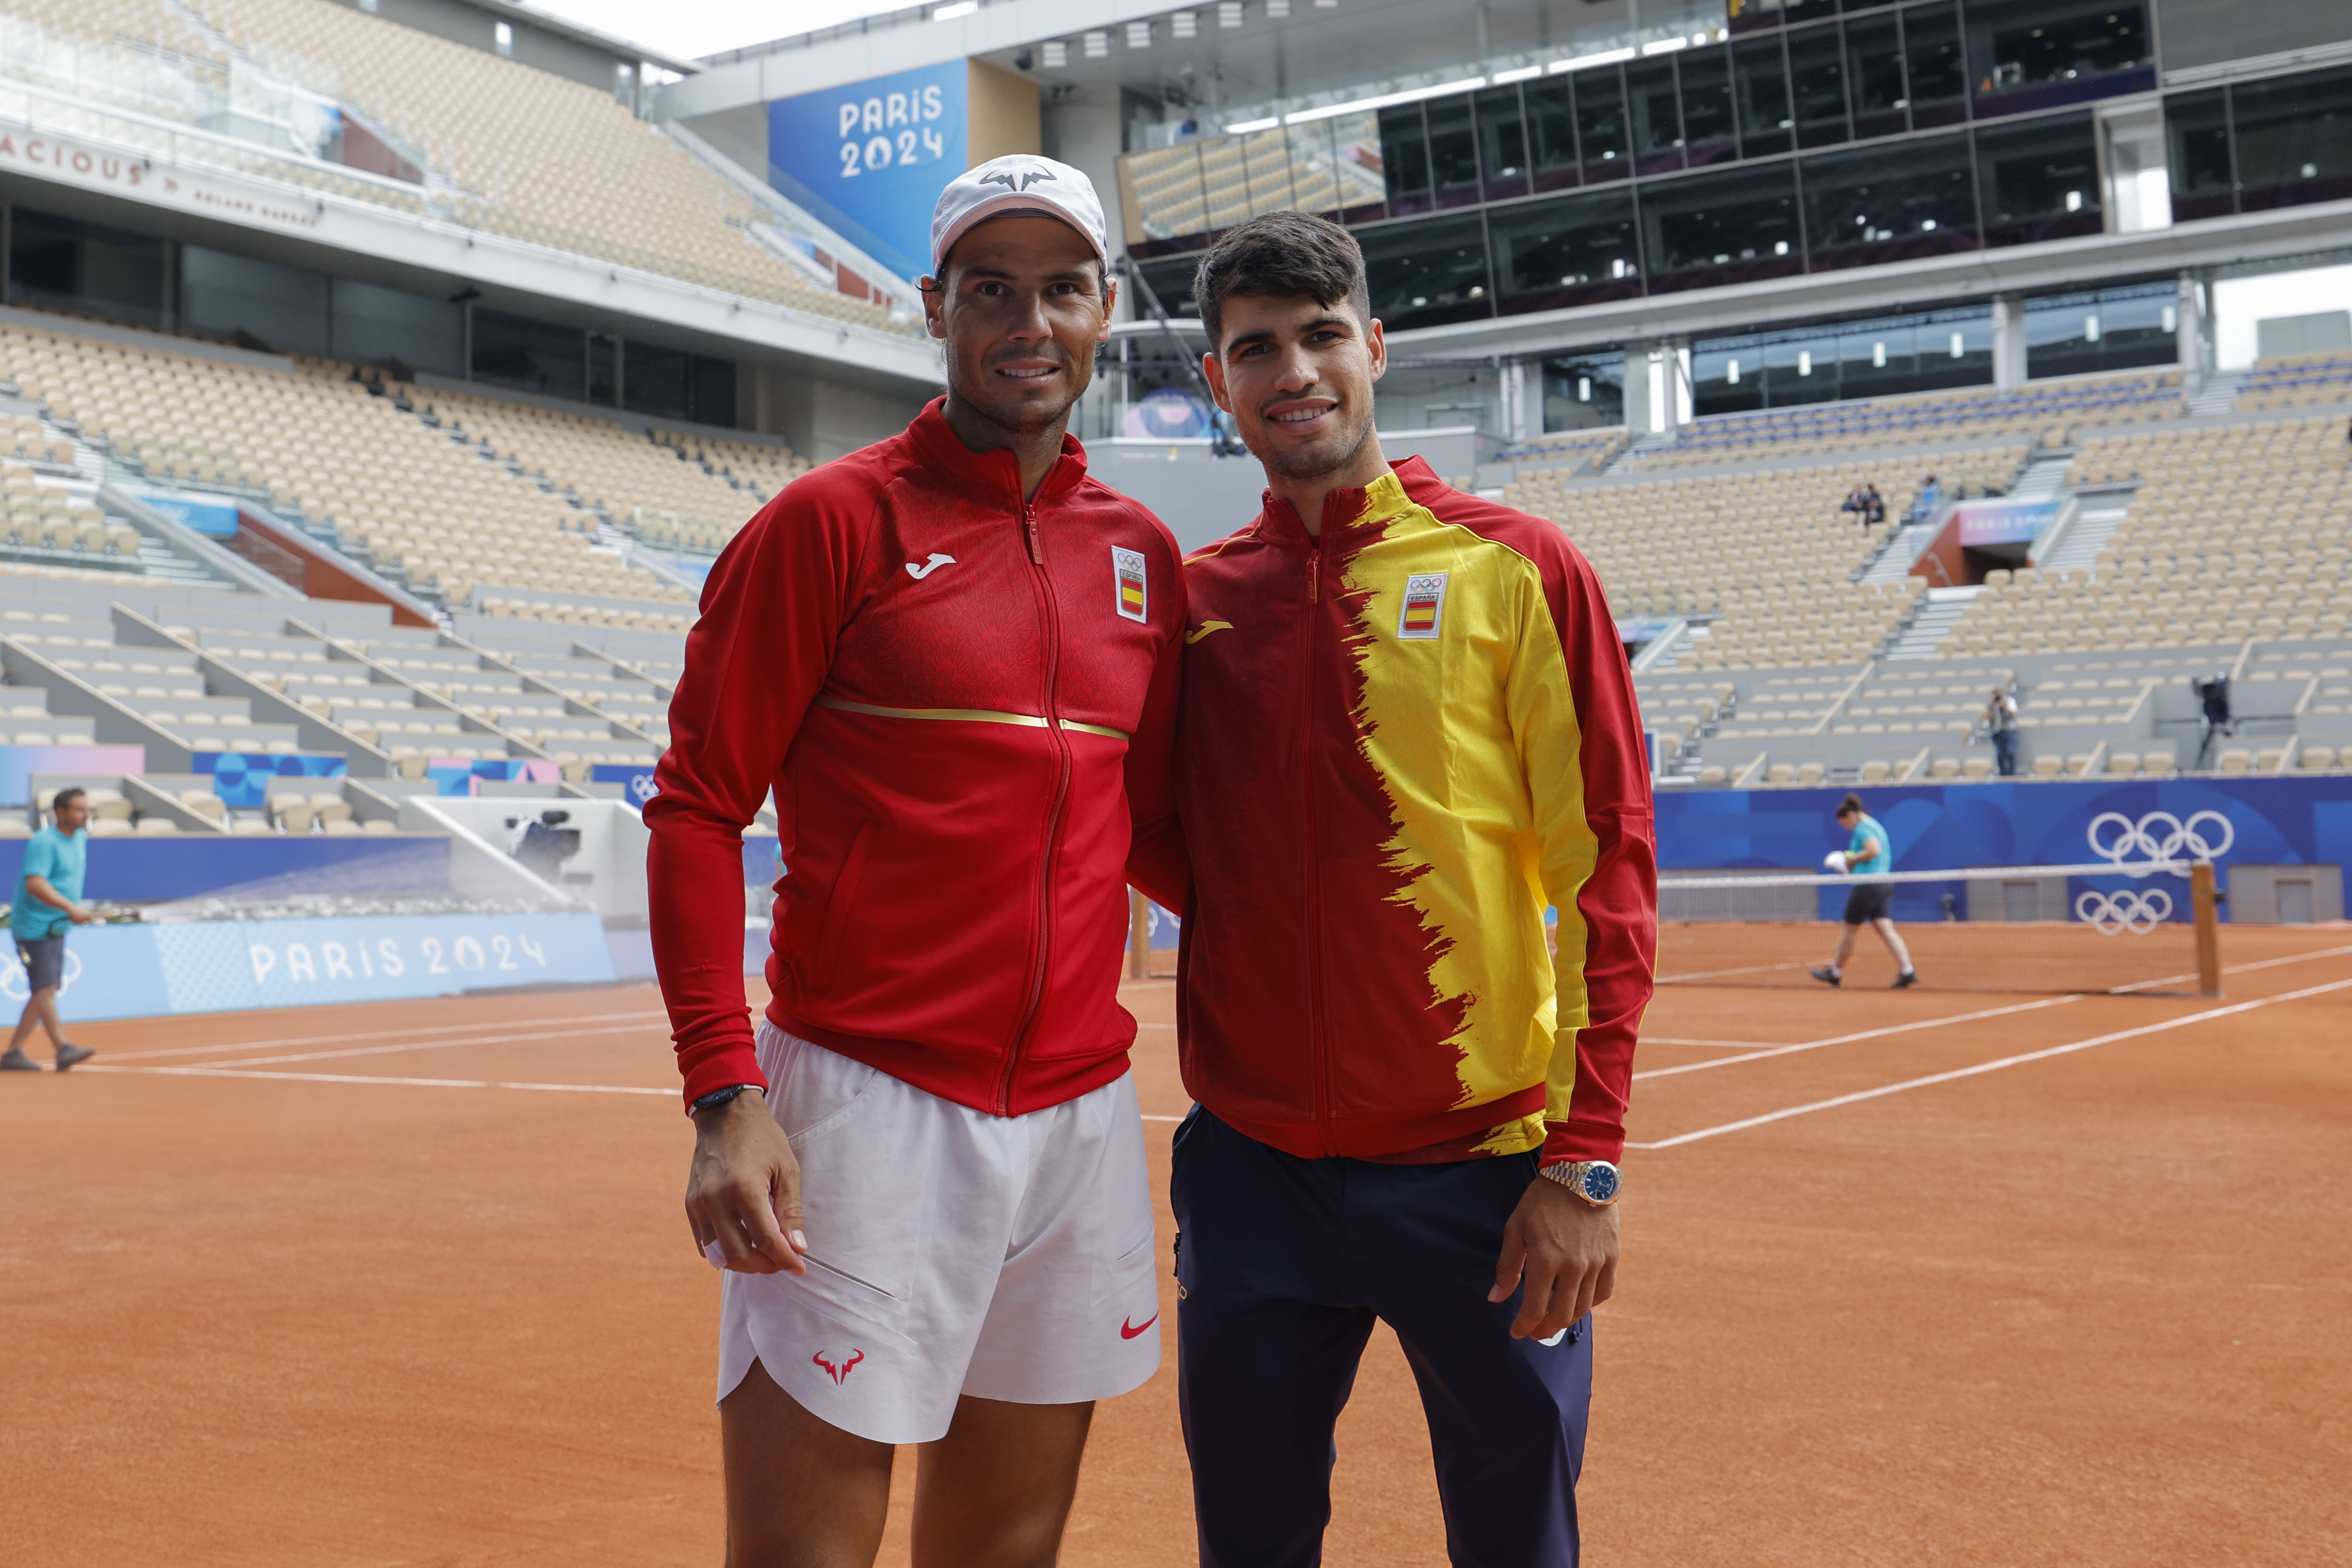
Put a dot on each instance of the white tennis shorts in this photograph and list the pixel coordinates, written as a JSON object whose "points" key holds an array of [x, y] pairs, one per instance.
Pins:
{"points": [[950, 1252]]}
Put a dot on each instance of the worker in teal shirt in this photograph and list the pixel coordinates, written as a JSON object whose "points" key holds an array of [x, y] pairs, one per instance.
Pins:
{"points": [[47, 904], [1868, 853]]}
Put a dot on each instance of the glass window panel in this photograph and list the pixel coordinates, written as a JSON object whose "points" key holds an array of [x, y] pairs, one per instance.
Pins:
{"points": [[1876, 359], [1356, 165], [2196, 128], [1502, 143], [1800, 367], [1709, 131], [1722, 228], [1600, 136], [2039, 179], [1168, 200], [1955, 349], [1551, 133], [87, 267], [1572, 251], [1404, 158], [535, 356], [1817, 80], [1767, 123], [1889, 203], [1936, 67], [1584, 390], [1453, 151], [2032, 54], [1422, 274], [1726, 375], [1874, 57], [1172, 280], [2102, 330], [1657, 120], [2294, 138]]}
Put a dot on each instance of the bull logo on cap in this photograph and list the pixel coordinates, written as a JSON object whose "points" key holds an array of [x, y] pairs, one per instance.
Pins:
{"points": [[1028, 178]]}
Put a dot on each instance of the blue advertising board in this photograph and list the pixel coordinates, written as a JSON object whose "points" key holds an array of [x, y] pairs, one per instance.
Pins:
{"points": [[141, 870], [241, 779], [1985, 523], [635, 779], [229, 965], [214, 514], [870, 158]]}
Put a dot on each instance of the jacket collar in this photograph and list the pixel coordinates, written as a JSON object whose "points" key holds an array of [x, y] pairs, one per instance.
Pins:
{"points": [[1348, 514], [940, 448]]}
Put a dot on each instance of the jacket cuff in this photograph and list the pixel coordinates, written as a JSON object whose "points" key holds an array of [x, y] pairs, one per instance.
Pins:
{"points": [[1583, 1140], [723, 1068]]}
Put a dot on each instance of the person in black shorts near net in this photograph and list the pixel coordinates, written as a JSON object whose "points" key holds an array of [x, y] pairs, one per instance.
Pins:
{"points": [[1868, 853]]}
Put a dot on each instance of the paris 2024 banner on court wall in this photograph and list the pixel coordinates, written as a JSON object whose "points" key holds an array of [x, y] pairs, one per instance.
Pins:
{"points": [[870, 158]]}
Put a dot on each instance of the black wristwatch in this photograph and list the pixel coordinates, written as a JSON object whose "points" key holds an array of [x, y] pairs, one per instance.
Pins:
{"points": [[718, 1097]]}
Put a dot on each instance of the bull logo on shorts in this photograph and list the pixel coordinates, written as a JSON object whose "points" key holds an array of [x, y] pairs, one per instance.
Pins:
{"points": [[839, 1374]]}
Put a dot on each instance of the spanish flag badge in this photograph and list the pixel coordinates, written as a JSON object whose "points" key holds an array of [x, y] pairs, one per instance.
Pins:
{"points": [[1126, 571]]}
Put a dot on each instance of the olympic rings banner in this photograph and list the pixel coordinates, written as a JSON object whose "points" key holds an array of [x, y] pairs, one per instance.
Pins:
{"points": [[1940, 826]]}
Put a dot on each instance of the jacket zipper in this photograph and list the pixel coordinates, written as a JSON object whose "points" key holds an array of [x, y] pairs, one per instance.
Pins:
{"points": [[1318, 1052], [1039, 963]]}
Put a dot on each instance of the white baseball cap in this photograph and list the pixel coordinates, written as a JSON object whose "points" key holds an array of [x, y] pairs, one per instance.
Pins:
{"points": [[1019, 185]]}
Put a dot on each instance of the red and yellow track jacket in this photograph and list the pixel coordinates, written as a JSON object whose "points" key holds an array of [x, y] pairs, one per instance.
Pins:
{"points": [[960, 700], [1400, 742]]}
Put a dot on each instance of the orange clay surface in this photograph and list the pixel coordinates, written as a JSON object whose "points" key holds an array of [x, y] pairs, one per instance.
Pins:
{"points": [[425, 1296]]}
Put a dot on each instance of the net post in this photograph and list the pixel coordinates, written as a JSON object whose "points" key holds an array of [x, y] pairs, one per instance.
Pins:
{"points": [[2208, 928], [1138, 937]]}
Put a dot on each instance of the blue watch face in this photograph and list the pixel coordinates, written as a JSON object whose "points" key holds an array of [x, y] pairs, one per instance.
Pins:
{"points": [[1600, 1183]]}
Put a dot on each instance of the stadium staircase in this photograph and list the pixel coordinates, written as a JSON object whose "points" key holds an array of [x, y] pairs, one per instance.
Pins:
{"points": [[2218, 395], [2097, 514], [1932, 624]]}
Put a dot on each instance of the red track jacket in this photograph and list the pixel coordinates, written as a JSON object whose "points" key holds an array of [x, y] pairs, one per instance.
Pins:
{"points": [[1399, 743], [957, 700]]}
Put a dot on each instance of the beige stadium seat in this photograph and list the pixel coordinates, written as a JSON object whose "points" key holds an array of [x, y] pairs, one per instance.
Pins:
{"points": [[156, 826], [2078, 763], [2158, 765], [2236, 759], [2270, 760], [380, 825], [109, 827], [1712, 775], [2316, 759], [1943, 769], [1875, 771], [1780, 773], [14, 827], [2123, 764], [1810, 772], [1976, 767], [293, 813]]}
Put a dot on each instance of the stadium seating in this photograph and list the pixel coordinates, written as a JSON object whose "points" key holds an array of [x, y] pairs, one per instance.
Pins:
{"points": [[655, 487], [1769, 554], [510, 149], [2048, 413], [2297, 381], [376, 480], [1568, 449]]}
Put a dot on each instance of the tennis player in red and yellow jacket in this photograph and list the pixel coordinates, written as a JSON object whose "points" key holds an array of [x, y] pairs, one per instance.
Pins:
{"points": [[1408, 726]]}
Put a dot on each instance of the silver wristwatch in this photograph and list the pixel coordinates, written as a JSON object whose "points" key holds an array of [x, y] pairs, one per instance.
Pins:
{"points": [[1597, 1181]]}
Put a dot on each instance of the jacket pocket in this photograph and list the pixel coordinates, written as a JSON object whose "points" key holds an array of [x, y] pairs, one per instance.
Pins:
{"points": [[841, 905]]}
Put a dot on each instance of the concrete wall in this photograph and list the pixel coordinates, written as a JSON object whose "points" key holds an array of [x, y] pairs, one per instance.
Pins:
{"points": [[478, 29], [2208, 32], [1000, 115], [821, 422]]}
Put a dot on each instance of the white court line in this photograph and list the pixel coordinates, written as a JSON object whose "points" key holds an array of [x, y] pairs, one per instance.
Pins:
{"points": [[340, 1039], [357, 1078], [1858, 1034], [1721, 1044], [1984, 1067], [552, 1034]]}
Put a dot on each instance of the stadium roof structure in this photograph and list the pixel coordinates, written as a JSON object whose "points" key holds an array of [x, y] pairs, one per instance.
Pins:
{"points": [[610, 43]]}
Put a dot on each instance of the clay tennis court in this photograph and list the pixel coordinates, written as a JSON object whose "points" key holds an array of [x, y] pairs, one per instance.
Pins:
{"points": [[1910, 1278]]}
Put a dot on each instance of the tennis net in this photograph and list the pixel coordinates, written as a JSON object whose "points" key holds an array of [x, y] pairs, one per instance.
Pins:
{"points": [[2067, 928]]}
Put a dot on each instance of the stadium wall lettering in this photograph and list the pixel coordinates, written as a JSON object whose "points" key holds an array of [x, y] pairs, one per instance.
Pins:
{"points": [[870, 158], [139, 971]]}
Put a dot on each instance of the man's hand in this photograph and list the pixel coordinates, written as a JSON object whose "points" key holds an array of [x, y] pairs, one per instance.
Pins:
{"points": [[744, 1190], [1567, 1249], [79, 916]]}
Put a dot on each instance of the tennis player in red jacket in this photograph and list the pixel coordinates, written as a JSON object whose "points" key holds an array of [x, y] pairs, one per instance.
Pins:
{"points": [[952, 657], [1408, 727]]}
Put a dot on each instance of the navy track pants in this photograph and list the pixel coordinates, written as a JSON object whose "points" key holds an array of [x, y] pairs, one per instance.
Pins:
{"points": [[1282, 1264]]}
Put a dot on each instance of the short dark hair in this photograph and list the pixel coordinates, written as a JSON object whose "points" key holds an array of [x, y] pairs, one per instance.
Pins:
{"points": [[1281, 255], [1850, 807], [66, 796]]}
